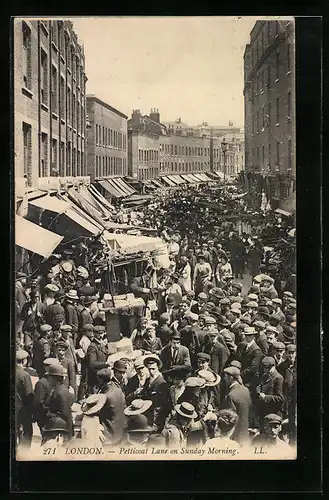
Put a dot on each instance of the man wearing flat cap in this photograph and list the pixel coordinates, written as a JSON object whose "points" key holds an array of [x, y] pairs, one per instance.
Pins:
{"points": [[238, 400], [137, 382], [269, 435], [156, 390], [41, 394], [41, 349], [217, 350], [56, 309], [267, 390], [201, 306], [267, 288], [277, 312], [288, 370], [175, 354], [21, 297], [23, 400]]}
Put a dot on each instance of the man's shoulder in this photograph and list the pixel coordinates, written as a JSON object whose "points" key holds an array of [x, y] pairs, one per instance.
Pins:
{"points": [[183, 349]]}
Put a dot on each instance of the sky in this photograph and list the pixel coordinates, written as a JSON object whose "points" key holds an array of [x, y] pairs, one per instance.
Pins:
{"points": [[187, 67]]}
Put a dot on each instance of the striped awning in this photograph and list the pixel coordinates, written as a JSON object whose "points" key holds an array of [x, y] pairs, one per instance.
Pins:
{"points": [[168, 181], [112, 190]]}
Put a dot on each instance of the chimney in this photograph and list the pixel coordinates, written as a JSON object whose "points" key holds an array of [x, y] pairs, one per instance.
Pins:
{"points": [[155, 115]]}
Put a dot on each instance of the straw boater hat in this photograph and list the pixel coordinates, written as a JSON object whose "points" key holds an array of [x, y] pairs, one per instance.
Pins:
{"points": [[186, 410], [93, 404], [73, 295], [211, 378], [137, 407]]}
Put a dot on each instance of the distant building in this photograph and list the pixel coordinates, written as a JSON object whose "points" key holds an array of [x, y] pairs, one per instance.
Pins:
{"points": [[155, 149], [49, 102], [107, 148], [269, 90]]}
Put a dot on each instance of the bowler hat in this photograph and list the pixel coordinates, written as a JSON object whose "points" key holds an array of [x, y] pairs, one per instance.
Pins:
{"points": [[104, 374], [216, 292], [222, 321], [137, 407], [186, 410], [59, 294], [55, 424], [89, 299], [175, 336], [173, 299], [93, 404], [272, 418], [152, 358], [138, 423], [56, 369], [120, 366], [21, 354], [288, 332], [264, 311]]}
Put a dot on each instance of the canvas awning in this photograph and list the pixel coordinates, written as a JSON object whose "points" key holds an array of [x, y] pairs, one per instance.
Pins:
{"points": [[93, 191], [34, 238], [85, 206], [51, 203], [168, 181], [282, 212], [112, 190], [174, 179], [126, 187], [198, 176], [186, 177], [87, 225], [194, 178], [158, 184], [178, 179], [115, 182], [83, 191]]}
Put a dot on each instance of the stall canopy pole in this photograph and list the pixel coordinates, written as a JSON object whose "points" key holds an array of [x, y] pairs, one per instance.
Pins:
{"points": [[110, 280]]}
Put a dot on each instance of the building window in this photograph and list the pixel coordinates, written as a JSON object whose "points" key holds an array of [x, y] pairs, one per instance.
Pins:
{"points": [[54, 166], [27, 147], [252, 57], [44, 156], [68, 158], [289, 57], [54, 32], [263, 155], [257, 156], [253, 124], [277, 153], [269, 156], [268, 32], [263, 74], [61, 38], [262, 41], [277, 70], [277, 28], [257, 50], [257, 84], [277, 110], [27, 56], [54, 87], [44, 77], [289, 106], [269, 114], [74, 115], [68, 106], [257, 122], [263, 118]]}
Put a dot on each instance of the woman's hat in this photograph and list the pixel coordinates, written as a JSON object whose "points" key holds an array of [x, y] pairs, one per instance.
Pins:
{"points": [[186, 410], [211, 378], [137, 407], [138, 423], [93, 404]]}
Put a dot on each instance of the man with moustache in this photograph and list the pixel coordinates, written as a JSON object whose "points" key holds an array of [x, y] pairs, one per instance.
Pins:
{"points": [[250, 355], [137, 382]]}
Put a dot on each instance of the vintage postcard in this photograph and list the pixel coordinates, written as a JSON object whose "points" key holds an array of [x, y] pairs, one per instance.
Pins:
{"points": [[155, 204]]}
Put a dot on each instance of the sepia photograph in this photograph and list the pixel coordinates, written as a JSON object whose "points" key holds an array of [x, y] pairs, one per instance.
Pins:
{"points": [[155, 309]]}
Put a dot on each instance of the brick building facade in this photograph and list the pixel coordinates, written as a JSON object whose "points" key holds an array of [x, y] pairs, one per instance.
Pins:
{"points": [[107, 147], [49, 101], [269, 90], [155, 150]]}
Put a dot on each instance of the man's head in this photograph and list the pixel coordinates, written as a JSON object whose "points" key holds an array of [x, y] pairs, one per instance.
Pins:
{"points": [[202, 298], [279, 349], [88, 330], [61, 349], [153, 364], [175, 340], [164, 319], [45, 331], [185, 413], [21, 278], [140, 368], [232, 374], [150, 332], [55, 374], [55, 429], [60, 296], [226, 422], [272, 425], [21, 357], [271, 334], [268, 364], [249, 333], [66, 331], [183, 307], [291, 352], [100, 334], [203, 360], [119, 369], [51, 289]]}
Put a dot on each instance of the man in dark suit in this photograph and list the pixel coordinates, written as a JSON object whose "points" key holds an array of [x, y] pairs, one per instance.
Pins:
{"points": [[156, 390], [249, 354], [267, 390], [111, 416], [137, 382], [288, 370], [85, 317], [238, 399], [175, 354], [23, 399], [218, 352], [96, 357]]}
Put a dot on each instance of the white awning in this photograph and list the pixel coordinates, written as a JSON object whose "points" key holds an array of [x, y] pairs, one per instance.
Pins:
{"points": [[282, 212], [51, 203], [34, 238]]}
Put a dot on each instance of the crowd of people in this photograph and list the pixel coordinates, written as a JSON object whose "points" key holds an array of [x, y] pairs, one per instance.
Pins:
{"points": [[213, 359]]}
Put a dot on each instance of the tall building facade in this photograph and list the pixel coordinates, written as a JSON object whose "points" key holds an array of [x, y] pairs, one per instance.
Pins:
{"points": [[49, 101], [269, 91], [155, 150], [107, 143]]}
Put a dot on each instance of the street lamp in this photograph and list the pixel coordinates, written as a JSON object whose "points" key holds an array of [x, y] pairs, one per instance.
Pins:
{"points": [[224, 147]]}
